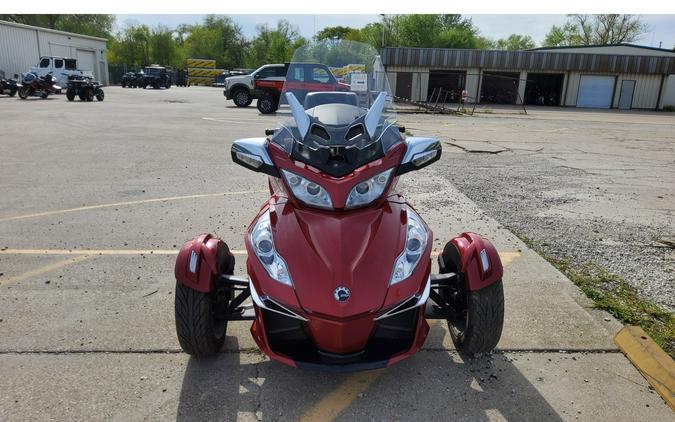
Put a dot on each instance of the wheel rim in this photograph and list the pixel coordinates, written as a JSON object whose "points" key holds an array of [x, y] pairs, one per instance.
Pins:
{"points": [[242, 97]]}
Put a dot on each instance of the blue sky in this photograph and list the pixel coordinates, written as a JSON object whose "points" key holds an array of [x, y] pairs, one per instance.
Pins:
{"points": [[493, 26]]}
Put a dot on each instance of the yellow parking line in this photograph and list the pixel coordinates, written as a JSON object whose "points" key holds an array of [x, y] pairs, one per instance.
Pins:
{"points": [[100, 251], [122, 204], [508, 257], [328, 408], [42, 270], [653, 363]]}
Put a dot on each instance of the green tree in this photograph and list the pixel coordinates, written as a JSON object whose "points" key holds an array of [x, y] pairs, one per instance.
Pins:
{"points": [[420, 30], [596, 29], [334, 32], [94, 25], [515, 42], [131, 47], [274, 45], [217, 38], [163, 48]]}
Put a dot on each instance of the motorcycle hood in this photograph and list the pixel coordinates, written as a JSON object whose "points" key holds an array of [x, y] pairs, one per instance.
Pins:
{"points": [[340, 262]]}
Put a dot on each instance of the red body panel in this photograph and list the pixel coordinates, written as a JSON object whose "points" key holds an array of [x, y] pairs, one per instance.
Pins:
{"points": [[469, 246], [339, 188], [282, 85], [326, 249], [206, 248]]}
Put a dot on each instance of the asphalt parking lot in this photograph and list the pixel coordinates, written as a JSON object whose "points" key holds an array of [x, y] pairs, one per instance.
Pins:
{"points": [[96, 199]]}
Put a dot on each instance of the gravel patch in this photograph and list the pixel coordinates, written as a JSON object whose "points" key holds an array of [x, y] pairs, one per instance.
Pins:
{"points": [[534, 197]]}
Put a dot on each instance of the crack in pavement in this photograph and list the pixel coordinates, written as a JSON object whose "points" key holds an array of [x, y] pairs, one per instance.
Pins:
{"points": [[478, 151]]}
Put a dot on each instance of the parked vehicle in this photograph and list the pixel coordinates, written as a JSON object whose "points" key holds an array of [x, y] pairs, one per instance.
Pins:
{"points": [[85, 88], [41, 86], [156, 77], [9, 86], [241, 89], [182, 78], [60, 68], [338, 263], [128, 79], [301, 78]]}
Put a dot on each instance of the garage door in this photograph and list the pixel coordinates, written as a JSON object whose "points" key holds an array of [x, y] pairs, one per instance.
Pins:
{"points": [[86, 60], [595, 91]]}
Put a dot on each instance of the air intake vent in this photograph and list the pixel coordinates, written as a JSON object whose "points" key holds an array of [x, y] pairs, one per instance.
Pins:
{"points": [[354, 131], [320, 132]]}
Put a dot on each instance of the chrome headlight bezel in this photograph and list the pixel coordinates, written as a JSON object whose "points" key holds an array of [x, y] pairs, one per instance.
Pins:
{"points": [[416, 240], [262, 243], [304, 189], [368, 191]]}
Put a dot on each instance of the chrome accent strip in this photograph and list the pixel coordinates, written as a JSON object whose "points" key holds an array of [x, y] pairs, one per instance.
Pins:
{"points": [[421, 300], [260, 301]]}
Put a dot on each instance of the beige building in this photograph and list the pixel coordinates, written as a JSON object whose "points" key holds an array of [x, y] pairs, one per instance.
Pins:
{"points": [[612, 76], [22, 46]]}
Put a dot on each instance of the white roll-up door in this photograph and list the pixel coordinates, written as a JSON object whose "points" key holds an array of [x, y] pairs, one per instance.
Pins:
{"points": [[595, 91], [86, 60]]}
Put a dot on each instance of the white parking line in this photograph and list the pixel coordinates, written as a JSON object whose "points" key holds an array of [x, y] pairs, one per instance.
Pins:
{"points": [[121, 204]]}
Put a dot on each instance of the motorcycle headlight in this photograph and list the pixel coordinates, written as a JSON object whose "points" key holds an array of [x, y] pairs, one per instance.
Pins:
{"points": [[369, 190], [263, 246], [307, 191], [415, 243]]}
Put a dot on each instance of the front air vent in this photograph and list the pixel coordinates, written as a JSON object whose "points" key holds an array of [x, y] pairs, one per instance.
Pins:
{"points": [[354, 132], [320, 132]]}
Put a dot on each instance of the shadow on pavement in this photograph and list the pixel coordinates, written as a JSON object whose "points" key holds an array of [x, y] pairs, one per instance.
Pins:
{"points": [[433, 385]]}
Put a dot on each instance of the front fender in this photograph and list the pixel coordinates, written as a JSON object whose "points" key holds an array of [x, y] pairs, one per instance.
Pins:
{"points": [[200, 262], [478, 260]]}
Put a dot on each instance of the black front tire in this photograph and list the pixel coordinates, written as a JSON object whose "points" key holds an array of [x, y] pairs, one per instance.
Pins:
{"points": [[70, 95], [199, 333], [484, 321], [242, 98], [23, 93], [199, 325], [477, 326], [100, 95], [268, 104], [12, 92]]}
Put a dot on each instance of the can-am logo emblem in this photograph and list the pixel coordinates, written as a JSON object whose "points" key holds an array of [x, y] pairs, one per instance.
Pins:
{"points": [[341, 294]]}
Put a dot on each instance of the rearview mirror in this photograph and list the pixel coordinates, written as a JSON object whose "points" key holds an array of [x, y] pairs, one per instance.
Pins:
{"points": [[420, 152], [252, 154]]}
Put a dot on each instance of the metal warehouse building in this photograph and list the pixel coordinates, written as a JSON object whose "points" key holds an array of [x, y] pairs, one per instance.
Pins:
{"points": [[620, 76], [21, 47]]}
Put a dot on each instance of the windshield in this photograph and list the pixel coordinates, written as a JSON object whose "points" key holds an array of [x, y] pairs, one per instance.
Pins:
{"points": [[339, 105]]}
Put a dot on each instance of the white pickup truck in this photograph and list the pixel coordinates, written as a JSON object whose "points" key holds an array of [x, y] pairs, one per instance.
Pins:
{"points": [[60, 68]]}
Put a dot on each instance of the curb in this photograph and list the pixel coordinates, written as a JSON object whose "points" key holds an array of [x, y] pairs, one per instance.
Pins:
{"points": [[653, 363]]}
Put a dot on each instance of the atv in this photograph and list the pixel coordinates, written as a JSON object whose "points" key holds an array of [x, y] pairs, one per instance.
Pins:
{"points": [[128, 79], [9, 86], [85, 88], [339, 265]]}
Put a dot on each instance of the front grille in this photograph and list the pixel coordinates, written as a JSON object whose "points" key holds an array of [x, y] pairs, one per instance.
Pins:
{"points": [[288, 336]]}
